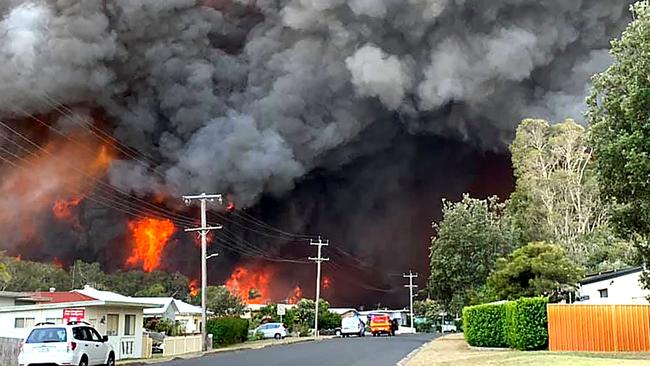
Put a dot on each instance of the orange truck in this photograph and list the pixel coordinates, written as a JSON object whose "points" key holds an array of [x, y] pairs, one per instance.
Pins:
{"points": [[380, 324]]}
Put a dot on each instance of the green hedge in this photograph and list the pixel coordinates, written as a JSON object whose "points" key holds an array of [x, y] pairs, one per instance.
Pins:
{"points": [[526, 324], [483, 325], [226, 331], [520, 324]]}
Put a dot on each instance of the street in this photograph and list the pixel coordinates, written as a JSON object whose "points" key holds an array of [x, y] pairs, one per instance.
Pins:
{"points": [[367, 351]]}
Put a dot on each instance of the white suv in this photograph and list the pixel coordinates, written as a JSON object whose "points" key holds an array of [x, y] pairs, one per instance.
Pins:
{"points": [[74, 344]]}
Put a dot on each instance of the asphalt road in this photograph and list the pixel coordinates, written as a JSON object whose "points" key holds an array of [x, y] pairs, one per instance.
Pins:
{"points": [[366, 351]]}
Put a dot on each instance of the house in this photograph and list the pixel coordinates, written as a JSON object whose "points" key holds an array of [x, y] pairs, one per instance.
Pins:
{"points": [[251, 309], [8, 298], [189, 316], [119, 317], [344, 312], [614, 287]]}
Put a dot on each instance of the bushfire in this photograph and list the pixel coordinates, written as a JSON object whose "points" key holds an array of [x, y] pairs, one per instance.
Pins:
{"points": [[150, 237], [258, 285], [194, 288], [64, 209], [251, 286]]}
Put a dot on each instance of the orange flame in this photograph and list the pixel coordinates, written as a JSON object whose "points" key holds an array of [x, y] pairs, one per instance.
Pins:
{"points": [[58, 263], [295, 296], [19, 258], [59, 169], [63, 209], [251, 286], [327, 283], [194, 288], [150, 236]]}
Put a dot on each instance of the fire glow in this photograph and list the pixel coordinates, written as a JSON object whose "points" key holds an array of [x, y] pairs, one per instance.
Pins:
{"points": [[194, 288], [295, 296], [63, 210], [57, 169], [150, 237], [250, 286]]}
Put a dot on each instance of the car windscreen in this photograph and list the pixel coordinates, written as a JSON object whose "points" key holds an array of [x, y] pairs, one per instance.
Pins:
{"points": [[47, 335]]}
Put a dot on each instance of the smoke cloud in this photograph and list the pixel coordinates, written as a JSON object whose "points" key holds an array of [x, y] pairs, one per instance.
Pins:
{"points": [[248, 96]]}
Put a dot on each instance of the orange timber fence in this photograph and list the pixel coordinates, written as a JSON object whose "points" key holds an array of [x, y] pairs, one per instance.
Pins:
{"points": [[599, 328]]}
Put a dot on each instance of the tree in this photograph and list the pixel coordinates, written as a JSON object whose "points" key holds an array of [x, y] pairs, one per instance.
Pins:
{"points": [[619, 111], [5, 276], [557, 196], [533, 270], [306, 308], [470, 238], [428, 309], [155, 290], [223, 303]]}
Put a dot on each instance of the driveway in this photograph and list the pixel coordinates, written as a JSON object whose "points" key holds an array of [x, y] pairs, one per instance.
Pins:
{"points": [[366, 351]]}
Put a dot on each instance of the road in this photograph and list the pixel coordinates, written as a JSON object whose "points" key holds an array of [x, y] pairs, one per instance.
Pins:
{"points": [[366, 351]]}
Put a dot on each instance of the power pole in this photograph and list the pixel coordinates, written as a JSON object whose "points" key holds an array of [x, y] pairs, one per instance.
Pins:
{"points": [[320, 243], [411, 286], [203, 232]]}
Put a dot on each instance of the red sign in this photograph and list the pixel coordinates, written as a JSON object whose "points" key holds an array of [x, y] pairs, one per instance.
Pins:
{"points": [[73, 315]]}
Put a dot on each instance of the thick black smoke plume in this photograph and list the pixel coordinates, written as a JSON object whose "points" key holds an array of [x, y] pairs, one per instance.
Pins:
{"points": [[248, 96], [251, 96]]}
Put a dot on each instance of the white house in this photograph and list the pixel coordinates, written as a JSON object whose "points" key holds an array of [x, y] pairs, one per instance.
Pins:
{"points": [[189, 316], [614, 287], [119, 317]]}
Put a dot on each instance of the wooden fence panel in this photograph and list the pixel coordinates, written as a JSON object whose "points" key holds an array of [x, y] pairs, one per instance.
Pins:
{"points": [[599, 328]]}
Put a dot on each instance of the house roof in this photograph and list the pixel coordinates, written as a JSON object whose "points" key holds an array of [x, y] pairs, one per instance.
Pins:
{"points": [[112, 298], [14, 295], [180, 307], [59, 297], [342, 311], [604, 276], [185, 308]]}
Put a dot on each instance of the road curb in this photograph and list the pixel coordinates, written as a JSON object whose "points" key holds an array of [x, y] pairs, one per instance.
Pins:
{"points": [[412, 354], [190, 356]]}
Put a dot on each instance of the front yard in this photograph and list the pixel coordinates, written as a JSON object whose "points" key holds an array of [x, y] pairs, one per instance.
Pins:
{"points": [[453, 350]]}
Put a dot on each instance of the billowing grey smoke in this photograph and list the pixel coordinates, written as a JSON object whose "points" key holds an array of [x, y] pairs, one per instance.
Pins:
{"points": [[247, 96]]}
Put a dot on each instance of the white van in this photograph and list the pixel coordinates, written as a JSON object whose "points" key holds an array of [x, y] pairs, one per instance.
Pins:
{"points": [[352, 326]]}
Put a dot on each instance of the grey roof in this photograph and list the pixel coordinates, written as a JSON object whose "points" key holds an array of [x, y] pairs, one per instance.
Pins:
{"points": [[603, 276]]}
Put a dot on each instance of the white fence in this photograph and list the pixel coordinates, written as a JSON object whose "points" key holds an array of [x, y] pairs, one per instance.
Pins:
{"points": [[180, 345]]}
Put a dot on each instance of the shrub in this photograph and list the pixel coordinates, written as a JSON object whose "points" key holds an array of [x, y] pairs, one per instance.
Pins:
{"points": [[526, 323], [226, 331], [484, 325]]}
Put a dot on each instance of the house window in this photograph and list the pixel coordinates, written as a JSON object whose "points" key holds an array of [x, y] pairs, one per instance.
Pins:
{"points": [[129, 325], [112, 324], [603, 293], [23, 323]]}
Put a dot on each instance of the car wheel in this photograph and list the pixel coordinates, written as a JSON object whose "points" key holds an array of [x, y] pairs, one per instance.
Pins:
{"points": [[84, 361], [111, 360], [278, 336]]}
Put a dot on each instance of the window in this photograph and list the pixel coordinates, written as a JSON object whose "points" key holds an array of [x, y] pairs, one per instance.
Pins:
{"points": [[47, 335], [81, 333], [112, 324], [129, 325], [603, 293], [23, 323], [94, 336]]}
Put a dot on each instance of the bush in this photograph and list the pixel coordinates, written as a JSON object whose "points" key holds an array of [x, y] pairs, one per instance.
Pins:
{"points": [[226, 331], [526, 324], [484, 325]]}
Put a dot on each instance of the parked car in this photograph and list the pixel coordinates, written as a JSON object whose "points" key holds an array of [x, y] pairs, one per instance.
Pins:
{"points": [[449, 327], [352, 326], [272, 330], [380, 324], [77, 343]]}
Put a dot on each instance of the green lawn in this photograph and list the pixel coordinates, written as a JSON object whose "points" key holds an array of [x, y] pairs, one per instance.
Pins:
{"points": [[453, 350]]}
